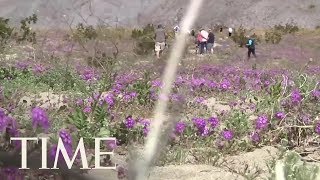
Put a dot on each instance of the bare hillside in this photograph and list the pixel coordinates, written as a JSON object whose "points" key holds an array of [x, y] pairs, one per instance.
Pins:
{"points": [[252, 13]]}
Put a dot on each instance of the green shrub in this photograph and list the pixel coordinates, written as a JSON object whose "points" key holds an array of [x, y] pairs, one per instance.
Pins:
{"points": [[85, 33], [144, 39], [239, 36], [24, 33], [5, 32], [287, 29], [312, 6], [295, 169], [273, 36]]}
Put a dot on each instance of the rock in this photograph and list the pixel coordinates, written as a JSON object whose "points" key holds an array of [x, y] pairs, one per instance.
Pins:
{"points": [[191, 159], [210, 102], [252, 117], [222, 108], [44, 100]]}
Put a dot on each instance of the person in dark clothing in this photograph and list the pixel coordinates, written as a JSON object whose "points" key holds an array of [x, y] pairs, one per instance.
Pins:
{"points": [[210, 42], [193, 33], [251, 47]]}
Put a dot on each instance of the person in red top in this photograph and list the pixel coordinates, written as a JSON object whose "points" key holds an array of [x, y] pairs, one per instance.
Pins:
{"points": [[198, 41]]}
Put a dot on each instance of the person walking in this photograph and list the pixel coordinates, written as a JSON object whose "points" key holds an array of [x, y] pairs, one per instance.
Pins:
{"points": [[210, 42], [204, 38], [160, 40], [251, 46], [230, 31]]}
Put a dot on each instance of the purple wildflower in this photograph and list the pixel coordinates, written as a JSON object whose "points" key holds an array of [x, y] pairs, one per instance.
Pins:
{"points": [[198, 82], [280, 115], [206, 131], [111, 144], [296, 96], [38, 69], [306, 119], [53, 152], [227, 135], [153, 95], [317, 128], [262, 122], [88, 74], [3, 120], [127, 97], [214, 122], [211, 84], [316, 94], [225, 84], [90, 100], [146, 126], [40, 118], [11, 173], [87, 110], [267, 83], [22, 66], [133, 94], [180, 127], [65, 137], [157, 83], [130, 122], [109, 98], [199, 123], [13, 130], [79, 102], [255, 137], [200, 100]]}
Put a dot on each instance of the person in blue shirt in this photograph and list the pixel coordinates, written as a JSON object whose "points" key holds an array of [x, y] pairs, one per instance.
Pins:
{"points": [[251, 47]]}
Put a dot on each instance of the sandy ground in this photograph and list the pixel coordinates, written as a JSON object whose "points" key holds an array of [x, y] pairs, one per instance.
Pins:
{"points": [[255, 159]]}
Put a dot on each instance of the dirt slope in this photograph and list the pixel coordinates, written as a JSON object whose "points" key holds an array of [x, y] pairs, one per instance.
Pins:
{"points": [[252, 13]]}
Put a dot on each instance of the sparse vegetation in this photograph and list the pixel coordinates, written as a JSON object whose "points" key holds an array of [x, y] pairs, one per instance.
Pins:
{"points": [[144, 39], [239, 36], [312, 6], [275, 34], [222, 109]]}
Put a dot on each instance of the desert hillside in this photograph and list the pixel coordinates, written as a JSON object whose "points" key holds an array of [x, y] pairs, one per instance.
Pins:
{"points": [[252, 13]]}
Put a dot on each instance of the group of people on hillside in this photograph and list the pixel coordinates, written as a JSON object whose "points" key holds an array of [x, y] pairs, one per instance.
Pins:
{"points": [[205, 40]]}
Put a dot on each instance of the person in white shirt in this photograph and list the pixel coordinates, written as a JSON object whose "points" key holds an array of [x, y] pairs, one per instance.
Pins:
{"points": [[230, 31], [204, 38], [176, 29]]}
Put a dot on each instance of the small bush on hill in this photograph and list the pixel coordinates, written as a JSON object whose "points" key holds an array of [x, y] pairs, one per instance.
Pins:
{"points": [[273, 36], [287, 29], [5, 32], [144, 39], [85, 32], [239, 36], [25, 33], [22, 34], [312, 6]]}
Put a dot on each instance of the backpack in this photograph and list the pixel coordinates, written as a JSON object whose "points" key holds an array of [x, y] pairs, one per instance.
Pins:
{"points": [[252, 46]]}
